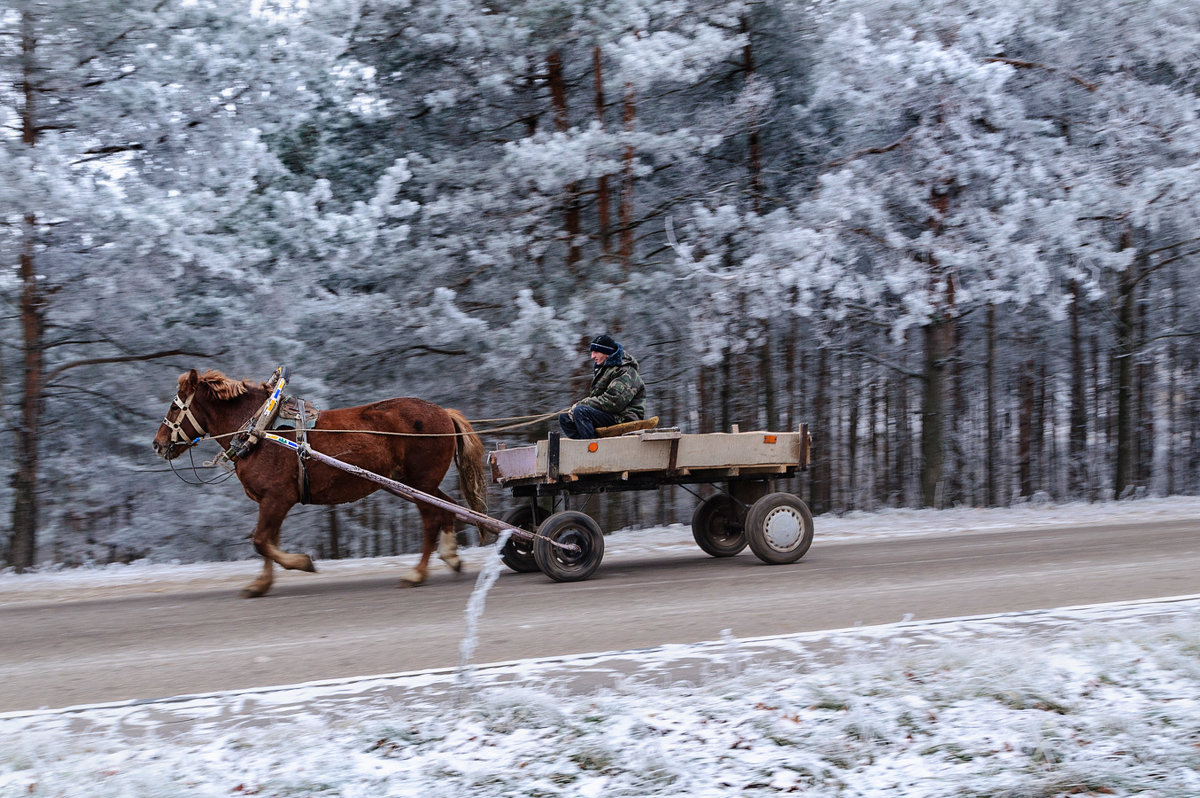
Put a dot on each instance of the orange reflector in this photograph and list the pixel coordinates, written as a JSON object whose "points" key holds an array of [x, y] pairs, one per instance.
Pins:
{"points": [[593, 446], [768, 439]]}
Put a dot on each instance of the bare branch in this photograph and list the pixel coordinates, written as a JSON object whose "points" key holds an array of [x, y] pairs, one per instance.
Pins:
{"points": [[871, 151], [127, 359], [1020, 64]]}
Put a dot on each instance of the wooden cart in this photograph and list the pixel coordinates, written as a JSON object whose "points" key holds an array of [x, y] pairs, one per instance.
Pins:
{"points": [[778, 527]]}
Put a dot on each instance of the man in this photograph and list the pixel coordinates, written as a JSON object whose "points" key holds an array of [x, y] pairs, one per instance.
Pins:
{"points": [[617, 393]]}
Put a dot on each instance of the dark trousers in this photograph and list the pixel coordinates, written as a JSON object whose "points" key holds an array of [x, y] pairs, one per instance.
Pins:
{"points": [[581, 421]]}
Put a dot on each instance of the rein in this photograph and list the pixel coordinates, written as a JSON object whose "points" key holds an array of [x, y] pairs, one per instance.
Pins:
{"points": [[199, 481], [534, 420], [248, 434]]}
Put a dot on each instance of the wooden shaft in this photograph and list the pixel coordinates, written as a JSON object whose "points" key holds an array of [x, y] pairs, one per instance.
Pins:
{"points": [[414, 495]]}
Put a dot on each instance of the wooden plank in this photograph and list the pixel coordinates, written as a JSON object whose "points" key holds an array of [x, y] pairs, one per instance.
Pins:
{"points": [[667, 434]]}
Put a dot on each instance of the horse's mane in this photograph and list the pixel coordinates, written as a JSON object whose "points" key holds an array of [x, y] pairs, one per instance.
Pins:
{"points": [[223, 387]]}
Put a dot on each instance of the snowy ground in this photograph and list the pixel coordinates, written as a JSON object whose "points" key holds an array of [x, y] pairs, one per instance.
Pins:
{"points": [[1069, 701]]}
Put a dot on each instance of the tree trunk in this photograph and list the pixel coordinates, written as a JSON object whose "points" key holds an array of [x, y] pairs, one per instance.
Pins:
{"points": [[1043, 462], [603, 214], [1125, 347], [956, 419], [23, 541], [753, 137], [562, 123], [851, 501], [1145, 408], [767, 372], [1025, 415], [22, 548], [939, 341], [1077, 472], [819, 479], [884, 484], [629, 117], [991, 444], [933, 386], [726, 394], [1173, 371], [903, 444]]}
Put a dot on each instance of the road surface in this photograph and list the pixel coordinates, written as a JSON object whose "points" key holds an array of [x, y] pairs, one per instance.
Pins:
{"points": [[163, 640]]}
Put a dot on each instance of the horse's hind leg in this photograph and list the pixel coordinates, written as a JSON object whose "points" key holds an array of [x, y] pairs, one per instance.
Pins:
{"points": [[266, 543]]}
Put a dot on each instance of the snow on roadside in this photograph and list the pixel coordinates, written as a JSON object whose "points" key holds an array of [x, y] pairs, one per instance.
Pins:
{"points": [[1091, 700]]}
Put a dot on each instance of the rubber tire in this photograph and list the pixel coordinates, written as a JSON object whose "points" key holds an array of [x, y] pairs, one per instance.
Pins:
{"points": [[569, 526], [712, 527], [779, 528], [518, 554]]}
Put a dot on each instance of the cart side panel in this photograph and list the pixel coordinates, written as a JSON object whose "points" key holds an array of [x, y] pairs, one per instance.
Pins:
{"points": [[612, 455], [521, 462], [738, 449]]}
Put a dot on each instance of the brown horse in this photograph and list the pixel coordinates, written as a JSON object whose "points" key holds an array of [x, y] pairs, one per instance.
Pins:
{"points": [[409, 440]]}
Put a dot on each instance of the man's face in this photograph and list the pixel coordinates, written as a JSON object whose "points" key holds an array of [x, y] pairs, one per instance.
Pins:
{"points": [[598, 357]]}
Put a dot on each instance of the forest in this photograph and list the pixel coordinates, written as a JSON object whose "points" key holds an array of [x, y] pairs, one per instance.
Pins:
{"points": [[957, 238]]}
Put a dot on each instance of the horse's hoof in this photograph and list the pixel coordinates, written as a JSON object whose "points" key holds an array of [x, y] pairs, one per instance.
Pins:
{"points": [[309, 567], [407, 583], [250, 592]]}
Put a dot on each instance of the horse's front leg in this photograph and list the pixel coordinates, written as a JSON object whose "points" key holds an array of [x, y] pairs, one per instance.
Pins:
{"points": [[260, 586], [438, 525], [448, 539], [266, 543]]}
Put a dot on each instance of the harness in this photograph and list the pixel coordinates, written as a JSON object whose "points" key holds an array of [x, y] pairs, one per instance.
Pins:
{"points": [[301, 416], [250, 434]]}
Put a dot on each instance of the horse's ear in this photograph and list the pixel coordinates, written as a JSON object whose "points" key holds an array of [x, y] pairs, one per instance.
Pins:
{"points": [[188, 382]]}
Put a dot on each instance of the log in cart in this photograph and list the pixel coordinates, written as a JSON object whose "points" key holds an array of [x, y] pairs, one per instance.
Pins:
{"points": [[567, 545]]}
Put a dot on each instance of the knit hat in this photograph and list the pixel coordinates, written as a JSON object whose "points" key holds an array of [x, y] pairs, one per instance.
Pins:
{"points": [[604, 344]]}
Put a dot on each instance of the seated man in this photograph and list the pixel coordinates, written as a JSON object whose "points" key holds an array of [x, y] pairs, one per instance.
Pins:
{"points": [[617, 393]]}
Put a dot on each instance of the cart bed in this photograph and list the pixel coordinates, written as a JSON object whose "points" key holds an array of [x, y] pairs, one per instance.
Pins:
{"points": [[664, 455]]}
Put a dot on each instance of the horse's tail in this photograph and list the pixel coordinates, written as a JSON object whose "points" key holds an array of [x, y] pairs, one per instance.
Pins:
{"points": [[468, 459]]}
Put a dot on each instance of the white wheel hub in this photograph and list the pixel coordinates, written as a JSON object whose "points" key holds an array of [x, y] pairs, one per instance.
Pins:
{"points": [[783, 527]]}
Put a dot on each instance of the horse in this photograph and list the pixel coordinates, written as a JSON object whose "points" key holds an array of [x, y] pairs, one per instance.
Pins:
{"points": [[407, 439]]}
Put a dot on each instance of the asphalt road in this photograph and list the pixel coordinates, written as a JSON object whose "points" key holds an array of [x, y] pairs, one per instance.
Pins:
{"points": [[170, 640]]}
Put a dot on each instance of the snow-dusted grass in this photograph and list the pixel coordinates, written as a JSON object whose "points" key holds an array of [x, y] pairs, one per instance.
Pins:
{"points": [[1069, 701], [1008, 706]]}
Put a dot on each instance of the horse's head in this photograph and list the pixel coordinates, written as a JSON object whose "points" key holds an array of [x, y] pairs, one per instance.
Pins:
{"points": [[180, 429], [192, 410]]}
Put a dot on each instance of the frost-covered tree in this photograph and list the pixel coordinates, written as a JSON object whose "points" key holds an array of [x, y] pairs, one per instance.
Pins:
{"points": [[956, 237], [132, 151]]}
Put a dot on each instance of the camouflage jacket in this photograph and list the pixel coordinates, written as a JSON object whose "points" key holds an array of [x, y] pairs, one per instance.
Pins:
{"points": [[617, 388]]}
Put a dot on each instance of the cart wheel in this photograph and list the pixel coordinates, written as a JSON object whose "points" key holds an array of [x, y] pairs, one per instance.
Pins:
{"points": [[779, 528], [518, 554], [717, 526], [572, 527]]}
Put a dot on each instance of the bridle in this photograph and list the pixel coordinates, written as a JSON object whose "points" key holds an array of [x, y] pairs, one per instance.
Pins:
{"points": [[178, 436]]}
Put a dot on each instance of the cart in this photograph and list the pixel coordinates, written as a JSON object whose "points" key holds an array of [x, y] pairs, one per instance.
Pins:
{"points": [[567, 545]]}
